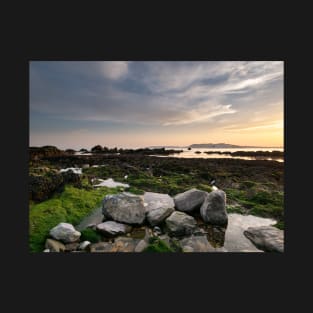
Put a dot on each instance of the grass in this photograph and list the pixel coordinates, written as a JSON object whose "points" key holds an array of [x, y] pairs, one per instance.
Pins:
{"points": [[258, 200], [163, 181], [90, 235], [158, 245], [70, 206]]}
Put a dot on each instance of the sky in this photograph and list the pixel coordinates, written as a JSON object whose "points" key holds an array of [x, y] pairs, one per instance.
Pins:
{"points": [[130, 104]]}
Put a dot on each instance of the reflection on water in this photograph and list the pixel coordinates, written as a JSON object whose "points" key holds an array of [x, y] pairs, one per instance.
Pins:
{"points": [[232, 237], [192, 154]]}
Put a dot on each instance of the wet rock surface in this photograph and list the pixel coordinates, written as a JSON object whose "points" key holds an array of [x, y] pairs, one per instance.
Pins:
{"points": [[266, 238]]}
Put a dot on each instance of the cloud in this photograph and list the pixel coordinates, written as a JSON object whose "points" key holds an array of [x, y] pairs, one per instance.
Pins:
{"points": [[155, 93], [114, 69]]}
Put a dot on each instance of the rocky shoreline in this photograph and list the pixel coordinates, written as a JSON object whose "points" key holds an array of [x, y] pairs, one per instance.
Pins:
{"points": [[193, 221], [66, 187]]}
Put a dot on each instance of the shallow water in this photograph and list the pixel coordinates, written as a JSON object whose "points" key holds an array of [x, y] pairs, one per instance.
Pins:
{"points": [[191, 154], [110, 183], [74, 169], [235, 240], [95, 217]]}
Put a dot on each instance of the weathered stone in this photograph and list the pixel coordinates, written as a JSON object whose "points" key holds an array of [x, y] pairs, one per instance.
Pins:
{"points": [[100, 247], [125, 244], [54, 245], [213, 209], [83, 245], [153, 200], [189, 200], [158, 215], [198, 244], [124, 208], [180, 224], [266, 238], [142, 244], [71, 246], [65, 232], [112, 228]]}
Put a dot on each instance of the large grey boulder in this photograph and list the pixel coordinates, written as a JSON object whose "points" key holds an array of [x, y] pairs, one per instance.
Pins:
{"points": [[189, 200], [198, 244], [54, 245], [157, 216], [213, 209], [124, 207], [153, 200], [180, 224], [112, 228], [266, 238], [65, 232]]}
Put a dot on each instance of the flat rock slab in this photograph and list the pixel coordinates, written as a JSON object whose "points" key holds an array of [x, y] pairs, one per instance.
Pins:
{"points": [[153, 200], [267, 238], [112, 228], [189, 200]]}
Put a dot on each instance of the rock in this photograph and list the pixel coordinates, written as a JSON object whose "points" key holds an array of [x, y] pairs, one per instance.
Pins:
{"points": [[54, 245], [112, 228], [121, 244], [157, 216], [180, 224], [235, 240], [124, 207], [71, 177], [83, 245], [100, 247], [266, 238], [71, 246], [65, 232], [190, 200], [213, 209], [46, 250], [142, 244], [198, 244], [157, 230], [41, 187], [155, 200], [166, 239], [85, 166], [124, 244]]}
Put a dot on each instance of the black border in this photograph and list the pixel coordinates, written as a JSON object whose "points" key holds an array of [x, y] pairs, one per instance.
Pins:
{"points": [[192, 273]]}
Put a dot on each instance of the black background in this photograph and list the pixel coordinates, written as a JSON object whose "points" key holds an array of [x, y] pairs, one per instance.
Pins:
{"points": [[164, 282]]}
